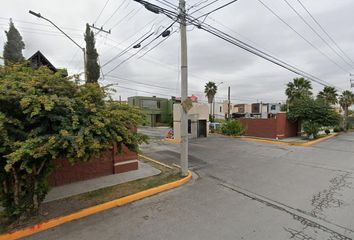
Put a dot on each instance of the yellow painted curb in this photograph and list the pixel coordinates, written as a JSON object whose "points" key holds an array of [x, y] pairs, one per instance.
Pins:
{"points": [[95, 209], [306, 144], [263, 140], [172, 140], [154, 161]]}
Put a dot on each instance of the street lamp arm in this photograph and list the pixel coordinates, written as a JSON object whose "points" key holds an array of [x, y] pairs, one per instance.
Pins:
{"points": [[40, 16]]}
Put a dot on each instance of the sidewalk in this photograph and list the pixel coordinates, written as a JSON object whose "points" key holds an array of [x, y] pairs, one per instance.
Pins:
{"points": [[60, 192]]}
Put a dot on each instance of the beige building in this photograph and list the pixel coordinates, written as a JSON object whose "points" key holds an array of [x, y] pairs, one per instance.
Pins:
{"points": [[198, 121]]}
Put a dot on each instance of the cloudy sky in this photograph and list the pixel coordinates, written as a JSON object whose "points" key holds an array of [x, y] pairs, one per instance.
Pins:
{"points": [[210, 59]]}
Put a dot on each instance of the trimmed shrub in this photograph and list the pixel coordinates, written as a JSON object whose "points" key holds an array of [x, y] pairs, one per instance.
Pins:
{"points": [[233, 128], [327, 131], [311, 129], [336, 129]]}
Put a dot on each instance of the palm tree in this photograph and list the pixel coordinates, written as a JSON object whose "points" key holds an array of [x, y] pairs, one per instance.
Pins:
{"points": [[328, 95], [210, 90], [300, 88], [345, 101]]}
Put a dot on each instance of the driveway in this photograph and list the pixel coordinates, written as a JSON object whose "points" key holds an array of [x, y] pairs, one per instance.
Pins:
{"points": [[241, 190]]}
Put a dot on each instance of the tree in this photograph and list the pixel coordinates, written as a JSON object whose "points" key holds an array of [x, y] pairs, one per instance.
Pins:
{"points": [[92, 66], [328, 95], [300, 88], [14, 46], [45, 116], [345, 101], [313, 113], [210, 90]]}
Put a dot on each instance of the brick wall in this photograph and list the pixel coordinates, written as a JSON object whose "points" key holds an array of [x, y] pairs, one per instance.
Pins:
{"points": [[278, 127], [110, 162]]}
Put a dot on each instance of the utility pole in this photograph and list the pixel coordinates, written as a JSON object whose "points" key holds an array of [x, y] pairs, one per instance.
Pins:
{"points": [[228, 104], [351, 81], [99, 29], [184, 89]]}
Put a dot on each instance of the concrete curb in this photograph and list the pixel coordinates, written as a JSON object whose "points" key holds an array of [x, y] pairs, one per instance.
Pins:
{"points": [[95, 209], [306, 144], [154, 161]]}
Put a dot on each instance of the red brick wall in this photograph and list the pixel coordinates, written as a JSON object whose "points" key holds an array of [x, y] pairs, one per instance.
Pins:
{"points": [[260, 127], [278, 127], [65, 172]]}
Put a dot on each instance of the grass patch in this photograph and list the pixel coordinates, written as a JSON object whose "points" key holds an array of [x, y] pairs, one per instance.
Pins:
{"points": [[75, 203]]}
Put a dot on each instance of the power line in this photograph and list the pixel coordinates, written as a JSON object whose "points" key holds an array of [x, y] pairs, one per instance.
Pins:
{"points": [[168, 4], [140, 83], [204, 6], [124, 51], [314, 30], [126, 39], [41, 24], [169, 89], [300, 35], [127, 59], [216, 9], [115, 11], [248, 47], [126, 16], [328, 35], [159, 43], [99, 15]]}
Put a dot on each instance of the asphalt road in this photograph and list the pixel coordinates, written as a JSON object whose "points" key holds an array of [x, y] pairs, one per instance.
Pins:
{"points": [[242, 190]]}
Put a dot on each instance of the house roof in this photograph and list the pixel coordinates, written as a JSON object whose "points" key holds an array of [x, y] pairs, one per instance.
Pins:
{"points": [[38, 59]]}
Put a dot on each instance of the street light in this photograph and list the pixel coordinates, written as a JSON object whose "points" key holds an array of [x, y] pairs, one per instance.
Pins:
{"points": [[83, 49]]}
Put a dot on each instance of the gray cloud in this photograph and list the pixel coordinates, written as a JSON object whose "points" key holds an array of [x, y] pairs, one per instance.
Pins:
{"points": [[249, 77]]}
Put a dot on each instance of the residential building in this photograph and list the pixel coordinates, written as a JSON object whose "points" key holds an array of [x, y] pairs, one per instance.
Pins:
{"points": [[256, 110], [274, 108], [241, 110], [38, 59], [198, 120], [158, 110]]}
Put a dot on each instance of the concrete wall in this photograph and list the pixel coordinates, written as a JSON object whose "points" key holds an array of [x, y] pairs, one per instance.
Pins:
{"points": [[110, 162], [277, 128], [199, 111]]}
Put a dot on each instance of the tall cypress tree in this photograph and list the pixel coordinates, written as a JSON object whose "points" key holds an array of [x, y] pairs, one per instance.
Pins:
{"points": [[92, 67], [14, 46]]}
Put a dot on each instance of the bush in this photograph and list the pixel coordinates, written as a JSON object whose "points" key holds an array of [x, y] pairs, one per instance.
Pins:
{"points": [[46, 116], [336, 129], [211, 118], [233, 127], [311, 129], [327, 131]]}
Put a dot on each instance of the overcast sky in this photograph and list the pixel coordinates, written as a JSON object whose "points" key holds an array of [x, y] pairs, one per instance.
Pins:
{"points": [[210, 59]]}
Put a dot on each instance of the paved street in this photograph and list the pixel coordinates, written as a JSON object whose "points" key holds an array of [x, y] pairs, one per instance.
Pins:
{"points": [[241, 190]]}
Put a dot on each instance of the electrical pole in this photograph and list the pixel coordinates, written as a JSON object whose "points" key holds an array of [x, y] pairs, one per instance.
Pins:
{"points": [[228, 104], [184, 89]]}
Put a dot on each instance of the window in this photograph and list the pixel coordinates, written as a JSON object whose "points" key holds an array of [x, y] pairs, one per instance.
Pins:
{"points": [[158, 104], [273, 107], [189, 126], [152, 104], [220, 109]]}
